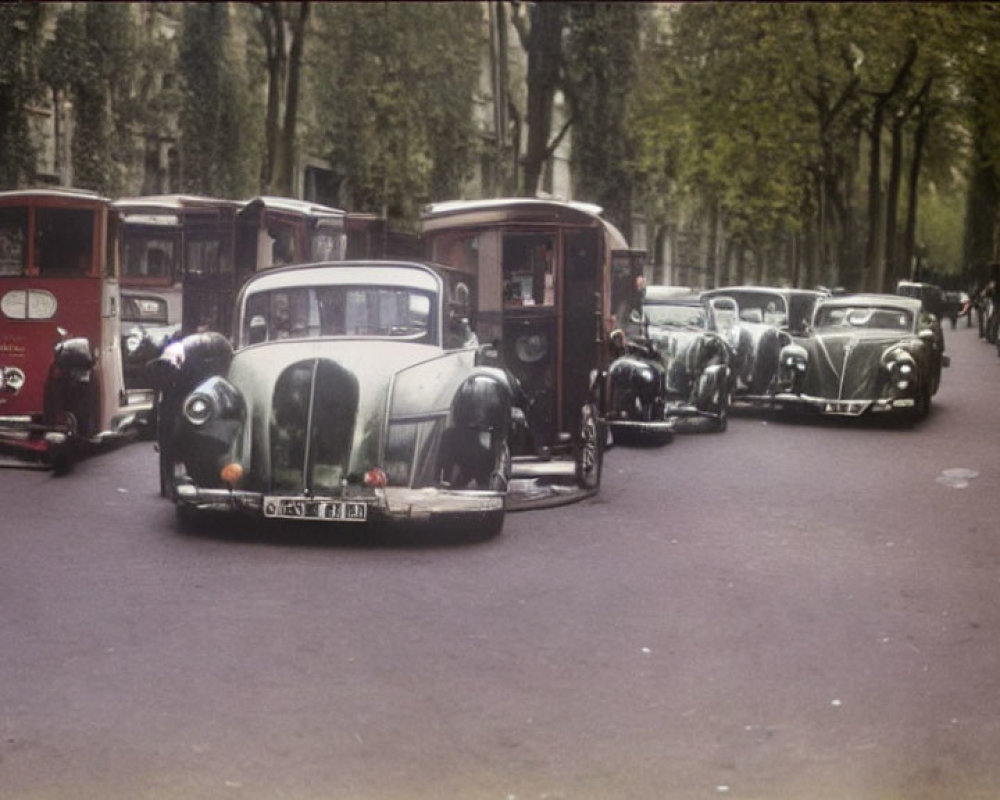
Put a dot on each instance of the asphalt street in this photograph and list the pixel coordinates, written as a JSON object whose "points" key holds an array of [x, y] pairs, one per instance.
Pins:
{"points": [[801, 609]]}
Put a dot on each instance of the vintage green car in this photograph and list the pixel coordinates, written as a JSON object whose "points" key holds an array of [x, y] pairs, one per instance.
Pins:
{"points": [[866, 353], [352, 393]]}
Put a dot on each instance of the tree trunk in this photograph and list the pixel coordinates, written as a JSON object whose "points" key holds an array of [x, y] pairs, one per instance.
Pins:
{"points": [[891, 269], [543, 43], [273, 32], [919, 140], [872, 276], [284, 177]]}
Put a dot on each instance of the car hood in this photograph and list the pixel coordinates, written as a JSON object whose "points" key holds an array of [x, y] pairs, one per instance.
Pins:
{"points": [[684, 353], [848, 365], [317, 411]]}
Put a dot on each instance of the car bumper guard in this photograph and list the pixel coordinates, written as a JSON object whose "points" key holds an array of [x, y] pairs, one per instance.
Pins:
{"points": [[392, 503]]}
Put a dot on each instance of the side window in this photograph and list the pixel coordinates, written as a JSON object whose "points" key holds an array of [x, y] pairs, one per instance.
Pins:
{"points": [[529, 269], [207, 254], [13, 235], [64, 241]]}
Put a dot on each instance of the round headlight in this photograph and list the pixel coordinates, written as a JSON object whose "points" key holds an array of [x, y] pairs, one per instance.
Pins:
{"points": [[198, 409], [905, 368], [132, 342]]}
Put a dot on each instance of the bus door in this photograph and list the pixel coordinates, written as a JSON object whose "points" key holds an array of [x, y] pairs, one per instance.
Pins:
{"points": [[211, 278], [530, 321]]}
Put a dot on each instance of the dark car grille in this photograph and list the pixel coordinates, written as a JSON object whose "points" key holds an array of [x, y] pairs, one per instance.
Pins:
{"points": [[847, 370], [314, 409]]}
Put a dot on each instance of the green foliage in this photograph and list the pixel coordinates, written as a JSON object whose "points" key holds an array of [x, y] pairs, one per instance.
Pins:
{"points": [[91, 58], [941, 228], [217, 142], [765, 111], [19, 28], [395, 85], [601, 56]]}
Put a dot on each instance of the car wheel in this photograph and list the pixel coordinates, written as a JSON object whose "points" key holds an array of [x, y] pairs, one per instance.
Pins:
{"points": [[721, 422], [500, 477], [166, 475], [62, 456], [189, 520], [924, 406], [589, 449], [765, 364], [921, 408], [489, 526]]}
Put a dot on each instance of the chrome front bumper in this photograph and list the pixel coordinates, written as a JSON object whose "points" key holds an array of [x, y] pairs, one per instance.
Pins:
{"points": [[392, 503], [845, 408], [642, 426]]}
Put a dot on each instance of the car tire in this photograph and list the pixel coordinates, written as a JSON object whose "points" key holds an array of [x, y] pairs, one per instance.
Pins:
{"points": [[166, 475], [589, 455], [189, 520], [488, 526], [721, 422], [765, 364]]}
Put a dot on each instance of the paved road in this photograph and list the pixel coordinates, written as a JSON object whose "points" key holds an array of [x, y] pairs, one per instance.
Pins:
{"points": [[780, 611]]}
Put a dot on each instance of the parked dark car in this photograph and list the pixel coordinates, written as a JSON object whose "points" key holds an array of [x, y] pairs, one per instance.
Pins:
{"points": [[352, 393], [672, 365], [146, 331], [763, 320], [931, 296], [867, 353]]}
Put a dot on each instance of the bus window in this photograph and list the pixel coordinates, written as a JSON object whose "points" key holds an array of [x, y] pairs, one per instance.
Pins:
{"points": [[529, 269], [64, 241], [149, 257], [207, 256], [13, 230], [328, 244], [457, 250]]}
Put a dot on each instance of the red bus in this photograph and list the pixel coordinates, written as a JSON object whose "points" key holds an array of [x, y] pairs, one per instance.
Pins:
{"points": [[61, 383]]}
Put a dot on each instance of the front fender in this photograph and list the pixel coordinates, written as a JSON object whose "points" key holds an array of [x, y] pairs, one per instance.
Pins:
{"points": [[211, 420]]}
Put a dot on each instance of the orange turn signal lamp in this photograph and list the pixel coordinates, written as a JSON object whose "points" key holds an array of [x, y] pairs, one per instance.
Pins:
{"points": [[232, 474]]}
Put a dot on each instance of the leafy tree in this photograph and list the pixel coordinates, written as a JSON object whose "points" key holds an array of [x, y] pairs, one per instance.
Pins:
{"points": [[20, 24], [91, 59], [217, 134], [540, 29], [601, 65], [283, 28], [395, 87]]}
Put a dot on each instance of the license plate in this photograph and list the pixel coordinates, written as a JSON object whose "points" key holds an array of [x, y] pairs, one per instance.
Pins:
{"points": [[315, 509], [845, 407]]}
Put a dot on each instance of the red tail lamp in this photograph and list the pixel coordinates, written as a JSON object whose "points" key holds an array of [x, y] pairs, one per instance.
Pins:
{"points": [[376, 477]]}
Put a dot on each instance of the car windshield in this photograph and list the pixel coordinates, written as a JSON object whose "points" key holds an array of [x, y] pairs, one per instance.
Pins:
{"points": [[896, 319], [140, 308], [766, 307], [308, 312], [675, 315]]}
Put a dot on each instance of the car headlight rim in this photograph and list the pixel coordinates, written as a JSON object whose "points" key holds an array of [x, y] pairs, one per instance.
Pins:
{"points": [[198, 409]]}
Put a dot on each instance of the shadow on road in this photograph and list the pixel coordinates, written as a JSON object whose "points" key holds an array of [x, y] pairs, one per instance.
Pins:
{"points": [[221, 526]]}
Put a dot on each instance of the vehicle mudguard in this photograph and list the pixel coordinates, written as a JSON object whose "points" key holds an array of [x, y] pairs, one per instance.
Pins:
{"points": [[202, 447], [482, 403], [74, 355], [636, 377], [71, 396], [185, 364], [477, 437], [712, 380]]}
